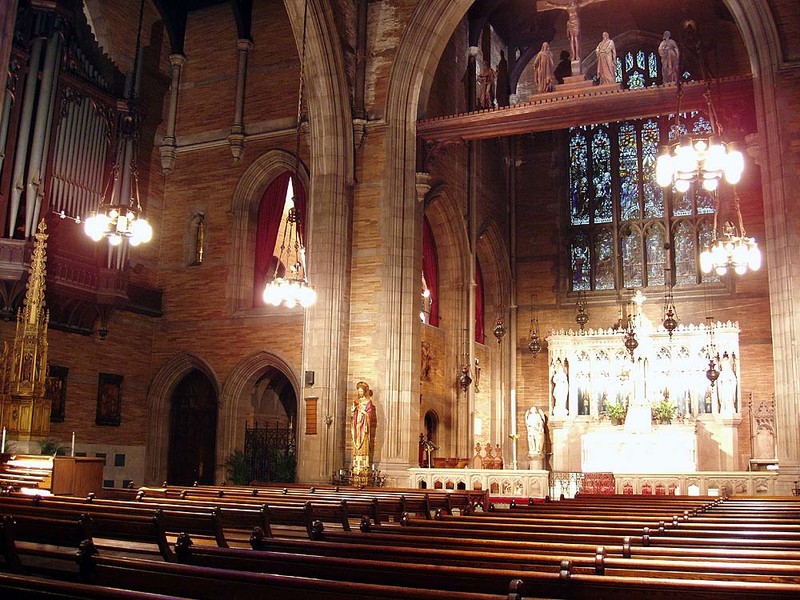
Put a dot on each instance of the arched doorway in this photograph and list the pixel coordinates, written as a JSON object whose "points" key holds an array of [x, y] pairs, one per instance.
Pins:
{"points": [[270, 429], [193, 431]]}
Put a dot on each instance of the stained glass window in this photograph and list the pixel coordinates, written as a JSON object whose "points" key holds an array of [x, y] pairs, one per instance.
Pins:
{"points": [[601, 176], [625, 230], [579, 178], [621, 218], [632, 258], [685, 253], [637, 70], [604, 253], [655, 254]]}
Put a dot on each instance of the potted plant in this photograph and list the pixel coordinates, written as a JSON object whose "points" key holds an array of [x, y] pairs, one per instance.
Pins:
{"points": [[616, 411], [664, 411]]}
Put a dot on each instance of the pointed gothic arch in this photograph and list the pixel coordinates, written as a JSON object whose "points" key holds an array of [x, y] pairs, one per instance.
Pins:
{"points": [[158, 410], [237, 390]]}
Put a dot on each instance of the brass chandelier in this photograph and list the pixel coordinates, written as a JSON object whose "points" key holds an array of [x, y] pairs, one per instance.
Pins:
{"points": [[119, 215]]}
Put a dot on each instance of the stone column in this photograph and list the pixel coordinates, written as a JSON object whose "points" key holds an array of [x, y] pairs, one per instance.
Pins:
{"points": [[236, 137], [168, 145]]}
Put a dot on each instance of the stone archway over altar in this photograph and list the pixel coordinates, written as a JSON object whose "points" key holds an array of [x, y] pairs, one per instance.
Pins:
{"points": [[591, 370]]}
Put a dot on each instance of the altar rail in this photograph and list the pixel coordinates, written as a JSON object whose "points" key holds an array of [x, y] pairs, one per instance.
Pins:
{"points": [[537, 484]]}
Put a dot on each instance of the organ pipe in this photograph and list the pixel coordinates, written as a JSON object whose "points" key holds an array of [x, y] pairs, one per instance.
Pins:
{"points": [[23, 137], [34, 189]]}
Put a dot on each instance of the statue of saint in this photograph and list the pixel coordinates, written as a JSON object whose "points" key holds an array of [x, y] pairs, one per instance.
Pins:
{"points": [[670, 59], [726, 387], [486, 79], [363, 418], [543, 70], [534, 419], [560, 390], [606, 60]]}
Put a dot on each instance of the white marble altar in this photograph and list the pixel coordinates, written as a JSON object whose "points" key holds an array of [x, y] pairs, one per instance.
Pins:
{"points": [[664, 449]]}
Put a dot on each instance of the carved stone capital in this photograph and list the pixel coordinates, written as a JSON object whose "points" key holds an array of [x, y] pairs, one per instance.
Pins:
{"points": [[236, 142], [177, 60], [168, 151]]}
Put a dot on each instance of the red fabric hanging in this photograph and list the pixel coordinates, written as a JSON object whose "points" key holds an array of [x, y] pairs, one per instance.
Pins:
{"points": [[430, 269], [480, 337], [270, 211]]}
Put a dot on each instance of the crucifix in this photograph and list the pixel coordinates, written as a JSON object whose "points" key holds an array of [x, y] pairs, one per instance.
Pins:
{"points": [[573, 26]]}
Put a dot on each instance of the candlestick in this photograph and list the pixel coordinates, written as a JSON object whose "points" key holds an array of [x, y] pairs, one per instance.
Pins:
{"points": [[3, 446], [73, 444]]}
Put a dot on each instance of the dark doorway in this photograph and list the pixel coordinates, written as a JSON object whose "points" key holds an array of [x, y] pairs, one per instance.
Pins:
{"points": [[193, 431]]}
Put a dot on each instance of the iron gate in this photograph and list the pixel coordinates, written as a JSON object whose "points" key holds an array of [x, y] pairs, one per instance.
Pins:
{"points": [[270, 453]]}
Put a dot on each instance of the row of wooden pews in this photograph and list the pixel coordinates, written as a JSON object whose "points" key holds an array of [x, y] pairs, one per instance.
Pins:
{"points": [[250, 542], [42, 535]]}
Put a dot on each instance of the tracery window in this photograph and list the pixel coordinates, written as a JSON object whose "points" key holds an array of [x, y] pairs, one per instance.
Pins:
{"points": [[625, 230]]}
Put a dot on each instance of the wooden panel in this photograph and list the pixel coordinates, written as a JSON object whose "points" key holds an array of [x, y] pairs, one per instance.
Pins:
{"points": [[311, 416], [77, 475]]}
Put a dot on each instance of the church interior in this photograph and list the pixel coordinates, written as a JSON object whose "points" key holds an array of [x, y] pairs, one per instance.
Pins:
{"points": [[401, 243]]}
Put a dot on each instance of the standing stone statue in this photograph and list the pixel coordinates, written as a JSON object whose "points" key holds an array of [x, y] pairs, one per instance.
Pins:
{"points": [[560, 390], [361, 425], [534, 420], [543, 70], [670, 59], [606, 60]]}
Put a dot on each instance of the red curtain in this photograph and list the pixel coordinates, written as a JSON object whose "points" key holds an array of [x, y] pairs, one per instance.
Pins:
{"points": [[480, 337], [270, 212], [430, 270]]}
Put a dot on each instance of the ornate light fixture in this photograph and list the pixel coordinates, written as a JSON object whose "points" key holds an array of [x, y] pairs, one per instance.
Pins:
{"points": [[535, 345], [630, 341], [670, 321], [698, 157], [499, 330], [464, 379], [292, 288], [115, 218], [712, 373], [731, 249], [581, 316]]}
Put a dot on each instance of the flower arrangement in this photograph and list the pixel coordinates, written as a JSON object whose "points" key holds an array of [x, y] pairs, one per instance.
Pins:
{"points": [[664, 411], [616, 411]]}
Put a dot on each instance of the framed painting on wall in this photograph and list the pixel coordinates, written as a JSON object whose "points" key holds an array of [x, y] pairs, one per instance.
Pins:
{"points": [[56, 391], [109, 399]]}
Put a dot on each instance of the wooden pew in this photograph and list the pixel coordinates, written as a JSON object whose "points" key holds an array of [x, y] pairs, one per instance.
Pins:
{"points": [[211, 583], [28, 587]]}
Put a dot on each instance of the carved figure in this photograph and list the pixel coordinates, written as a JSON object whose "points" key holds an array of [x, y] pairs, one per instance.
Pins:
{"points": [[486, 79], [670, 59], [606, 59], [427, 357], [534, 419], [573, 22], [726, 386], [560, 390], [363, 416], [543, 70]]}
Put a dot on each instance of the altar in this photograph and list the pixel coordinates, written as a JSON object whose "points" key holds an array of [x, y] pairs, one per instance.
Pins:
{"points": [[665, 449]]}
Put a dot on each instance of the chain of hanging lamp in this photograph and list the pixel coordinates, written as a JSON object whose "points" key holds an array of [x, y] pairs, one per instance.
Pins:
{"points": [[291, 287], [117, 219]]}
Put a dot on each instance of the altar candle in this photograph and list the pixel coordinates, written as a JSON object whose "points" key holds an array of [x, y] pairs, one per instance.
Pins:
{"points": [[3, 446], [73, 443]]}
